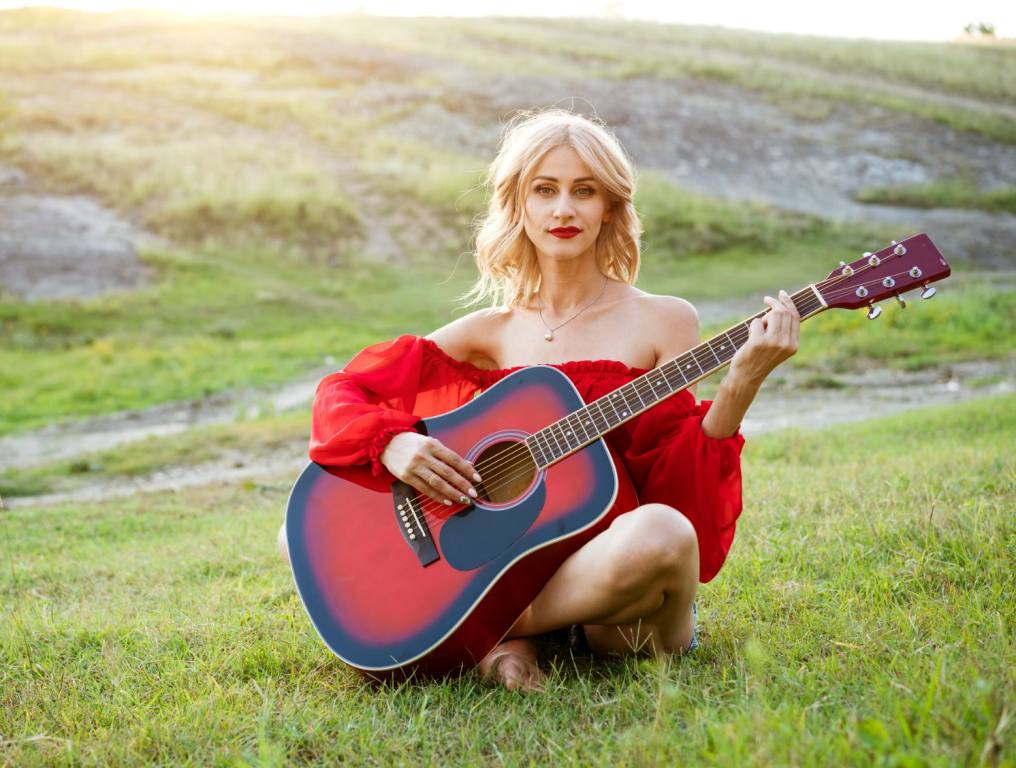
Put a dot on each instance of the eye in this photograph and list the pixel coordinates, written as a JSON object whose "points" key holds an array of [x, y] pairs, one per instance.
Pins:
{"points": [[539, 189], [585, 189]]}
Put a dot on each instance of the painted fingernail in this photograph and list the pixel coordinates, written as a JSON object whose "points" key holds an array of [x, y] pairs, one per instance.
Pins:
{"points": [[472, 492], [448, 502], [463, 500], [476, 477]]}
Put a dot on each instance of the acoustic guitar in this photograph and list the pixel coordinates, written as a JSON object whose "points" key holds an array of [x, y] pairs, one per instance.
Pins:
{"points": [[397, 584]]}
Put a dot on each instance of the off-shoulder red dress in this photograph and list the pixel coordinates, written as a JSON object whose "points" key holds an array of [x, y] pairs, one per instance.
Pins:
{"points": [[667, 458]]}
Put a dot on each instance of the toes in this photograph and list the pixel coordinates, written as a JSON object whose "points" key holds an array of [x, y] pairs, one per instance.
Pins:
{"points": [[513, 672]]}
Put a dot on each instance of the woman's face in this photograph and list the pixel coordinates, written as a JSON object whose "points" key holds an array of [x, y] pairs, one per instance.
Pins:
{"points": [[564, 196]]}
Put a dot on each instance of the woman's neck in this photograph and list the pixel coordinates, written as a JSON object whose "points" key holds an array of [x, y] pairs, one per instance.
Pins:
{"points": [[565, 289]]}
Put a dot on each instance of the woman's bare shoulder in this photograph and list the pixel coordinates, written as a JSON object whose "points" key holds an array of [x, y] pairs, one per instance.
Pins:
{"points": [[672, 307], [674, 324], [469, 337]]}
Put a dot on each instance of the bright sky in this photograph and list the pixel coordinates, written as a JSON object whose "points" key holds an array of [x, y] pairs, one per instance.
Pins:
{"points": [[882, 19]]}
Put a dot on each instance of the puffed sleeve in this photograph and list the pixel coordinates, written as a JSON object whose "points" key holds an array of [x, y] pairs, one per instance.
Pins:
{"points": [[672, 461], [358, 410]]}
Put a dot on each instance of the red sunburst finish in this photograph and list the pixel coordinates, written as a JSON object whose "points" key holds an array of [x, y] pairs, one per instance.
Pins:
{"points": [[371, 600]]}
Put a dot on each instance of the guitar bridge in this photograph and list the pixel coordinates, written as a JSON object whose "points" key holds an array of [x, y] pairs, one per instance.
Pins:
{"points": [[412, 522]]}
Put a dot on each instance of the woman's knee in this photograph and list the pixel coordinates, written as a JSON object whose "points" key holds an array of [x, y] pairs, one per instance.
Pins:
{"points": [[283, 546], [654, 541]]}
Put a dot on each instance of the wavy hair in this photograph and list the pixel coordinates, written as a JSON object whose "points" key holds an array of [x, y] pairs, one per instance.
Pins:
{"points": [[505, 256]]}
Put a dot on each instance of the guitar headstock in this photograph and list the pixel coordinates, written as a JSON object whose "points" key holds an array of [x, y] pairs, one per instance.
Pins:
{"points": [[900, 267]]}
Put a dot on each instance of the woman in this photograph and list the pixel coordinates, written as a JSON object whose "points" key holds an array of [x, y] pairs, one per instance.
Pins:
{"points": [[558, 256]]}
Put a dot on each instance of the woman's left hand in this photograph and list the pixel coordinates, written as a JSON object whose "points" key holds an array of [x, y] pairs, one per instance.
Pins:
{"points": [[772, 339]]}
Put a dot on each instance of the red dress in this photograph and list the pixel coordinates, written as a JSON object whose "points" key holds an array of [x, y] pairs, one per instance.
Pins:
{"points": [[387, 387]]}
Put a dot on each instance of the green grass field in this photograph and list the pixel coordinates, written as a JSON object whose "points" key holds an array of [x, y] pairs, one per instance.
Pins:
{"points": [[864, 617], [946, 193]]}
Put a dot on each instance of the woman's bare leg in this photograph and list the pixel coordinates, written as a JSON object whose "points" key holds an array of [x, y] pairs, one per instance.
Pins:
{"points": [[513, 664], [631, 587]]}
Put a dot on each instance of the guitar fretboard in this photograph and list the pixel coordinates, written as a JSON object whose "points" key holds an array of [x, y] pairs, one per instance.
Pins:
{"points": [[589, 423]]}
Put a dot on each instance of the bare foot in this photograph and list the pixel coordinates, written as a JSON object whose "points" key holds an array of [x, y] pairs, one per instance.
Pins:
{"points": [[513, 664]]}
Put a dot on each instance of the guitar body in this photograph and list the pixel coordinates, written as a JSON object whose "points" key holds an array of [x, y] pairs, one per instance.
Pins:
{"points": [[390, 605]]}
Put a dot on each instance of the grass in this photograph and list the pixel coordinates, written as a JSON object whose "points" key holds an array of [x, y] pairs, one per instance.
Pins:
{"points": [[222, 320], [954, 192], [863, 618], [806, 76], [975, 322]]}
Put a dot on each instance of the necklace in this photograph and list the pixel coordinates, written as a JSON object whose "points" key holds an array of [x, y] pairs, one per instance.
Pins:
{"points": [[549, 335]]}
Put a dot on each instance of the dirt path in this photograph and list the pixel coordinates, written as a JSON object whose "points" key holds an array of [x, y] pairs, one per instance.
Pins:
{"points": [[871, 395], [65, 441]]}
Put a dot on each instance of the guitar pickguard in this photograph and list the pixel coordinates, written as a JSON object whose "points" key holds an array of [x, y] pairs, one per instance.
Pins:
{"points": [[479, 533]]}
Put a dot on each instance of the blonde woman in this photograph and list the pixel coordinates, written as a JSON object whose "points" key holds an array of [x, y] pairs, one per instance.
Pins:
{"points": [[558, 256]]}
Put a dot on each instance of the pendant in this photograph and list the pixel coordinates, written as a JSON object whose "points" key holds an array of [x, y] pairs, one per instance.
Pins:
{"points": [[549, 335]]}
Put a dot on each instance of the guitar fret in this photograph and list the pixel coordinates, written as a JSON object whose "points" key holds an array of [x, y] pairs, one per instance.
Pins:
{"points": [[729, 345], [653, 385], [572, 434], [686, 365], [637, 394], [624, 399], [589, 423], [533, 445], [610, 400], [559, 438], [675, 364], [549, 448], [712, 351]]}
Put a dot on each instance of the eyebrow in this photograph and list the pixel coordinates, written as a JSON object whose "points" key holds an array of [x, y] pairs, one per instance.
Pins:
{"points": [[551, 178]]}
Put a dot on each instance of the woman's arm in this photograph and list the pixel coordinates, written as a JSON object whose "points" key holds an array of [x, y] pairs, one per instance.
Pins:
{"points": [[771, 340]]}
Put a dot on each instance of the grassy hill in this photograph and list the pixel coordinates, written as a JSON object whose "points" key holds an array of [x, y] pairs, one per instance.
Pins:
{"points": [[294, 200]]}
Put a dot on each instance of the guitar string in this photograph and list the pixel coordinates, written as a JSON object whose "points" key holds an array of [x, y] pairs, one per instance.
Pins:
{"points": [[513, 459], [641, 385]]}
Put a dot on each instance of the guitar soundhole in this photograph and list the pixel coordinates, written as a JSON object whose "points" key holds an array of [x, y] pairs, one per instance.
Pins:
{"points": [[507, 469]]}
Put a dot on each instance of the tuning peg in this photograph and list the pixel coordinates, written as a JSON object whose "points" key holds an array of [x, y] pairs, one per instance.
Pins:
{"points": [[928, 292], [900, 299], [874, 312]]}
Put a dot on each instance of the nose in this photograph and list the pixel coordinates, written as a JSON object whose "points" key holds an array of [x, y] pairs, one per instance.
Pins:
{"points": [[563, 209]]}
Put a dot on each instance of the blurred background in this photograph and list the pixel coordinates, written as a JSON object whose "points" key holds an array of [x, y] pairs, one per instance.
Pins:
{"points": [[203, 211]]}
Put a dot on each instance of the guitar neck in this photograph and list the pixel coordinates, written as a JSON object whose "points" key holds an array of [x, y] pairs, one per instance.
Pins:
{"points": [[587, 424]]}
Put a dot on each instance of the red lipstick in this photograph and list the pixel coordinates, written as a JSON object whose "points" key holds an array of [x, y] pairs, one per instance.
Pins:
{"points": [[565, 232]]}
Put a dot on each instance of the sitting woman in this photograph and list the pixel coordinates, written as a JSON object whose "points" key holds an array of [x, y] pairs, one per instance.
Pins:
{"points": [[558, 255]]}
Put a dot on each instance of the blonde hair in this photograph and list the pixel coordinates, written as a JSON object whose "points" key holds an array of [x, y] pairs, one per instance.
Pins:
{"points": [[505, 256]]}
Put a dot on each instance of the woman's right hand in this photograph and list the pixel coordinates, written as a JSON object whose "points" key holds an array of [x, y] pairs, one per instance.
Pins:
{"points": [[426, 464]]}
